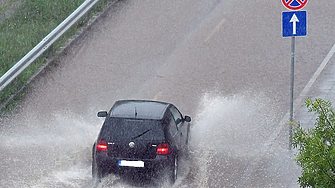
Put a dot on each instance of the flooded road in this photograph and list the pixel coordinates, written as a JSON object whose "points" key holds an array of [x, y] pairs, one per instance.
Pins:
{"points": [[220, 62]]}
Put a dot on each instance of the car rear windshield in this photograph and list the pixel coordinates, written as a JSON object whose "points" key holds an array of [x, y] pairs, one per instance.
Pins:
{"points": [[131, 129]]}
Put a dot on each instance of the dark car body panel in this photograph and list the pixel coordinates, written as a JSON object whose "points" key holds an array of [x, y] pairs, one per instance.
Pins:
{"points": [[140, 109], [133, 129]]}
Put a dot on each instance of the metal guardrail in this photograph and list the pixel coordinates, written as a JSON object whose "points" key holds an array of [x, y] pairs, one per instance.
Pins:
{"points": [[40, 48]]}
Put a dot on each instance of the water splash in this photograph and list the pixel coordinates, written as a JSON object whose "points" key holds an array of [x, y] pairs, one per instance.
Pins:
{"points": [[229, 131]]}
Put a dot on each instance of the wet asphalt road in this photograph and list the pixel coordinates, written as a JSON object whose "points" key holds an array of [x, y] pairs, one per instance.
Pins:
{"points": [[223, 62]]}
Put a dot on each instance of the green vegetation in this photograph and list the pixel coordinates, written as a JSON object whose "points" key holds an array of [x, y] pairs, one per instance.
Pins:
{"points": [[316, 147], [34, 20], [6, 6]]}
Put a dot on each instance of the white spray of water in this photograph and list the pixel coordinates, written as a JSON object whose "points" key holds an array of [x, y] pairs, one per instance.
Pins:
{"points": [[228, 128], [231, 127], [49, 152]]}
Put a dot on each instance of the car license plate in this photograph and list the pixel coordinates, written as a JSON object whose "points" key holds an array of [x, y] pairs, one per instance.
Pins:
{"points": [[131, 163]]}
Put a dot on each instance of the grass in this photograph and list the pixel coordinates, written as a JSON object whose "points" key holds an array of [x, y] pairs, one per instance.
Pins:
{"points": [[33, 20]]}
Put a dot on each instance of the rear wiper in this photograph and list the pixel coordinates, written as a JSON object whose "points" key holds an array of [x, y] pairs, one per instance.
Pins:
{"points": [[141, 134]]}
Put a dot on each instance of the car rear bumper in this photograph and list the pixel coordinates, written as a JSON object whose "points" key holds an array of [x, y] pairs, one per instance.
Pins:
{"points": [[110, 163]]}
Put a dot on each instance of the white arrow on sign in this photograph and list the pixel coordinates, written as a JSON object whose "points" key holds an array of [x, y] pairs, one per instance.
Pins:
{"points": [[294, 19]]}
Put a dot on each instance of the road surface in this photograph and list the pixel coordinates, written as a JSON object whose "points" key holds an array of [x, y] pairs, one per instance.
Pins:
{"points": [[224, 63]]}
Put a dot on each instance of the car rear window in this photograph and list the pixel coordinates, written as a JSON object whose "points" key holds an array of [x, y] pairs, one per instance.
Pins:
{"points": [[131, 129]]}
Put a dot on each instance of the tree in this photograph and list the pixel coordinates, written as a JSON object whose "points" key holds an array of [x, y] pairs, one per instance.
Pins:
{"points": [[316, 146]]}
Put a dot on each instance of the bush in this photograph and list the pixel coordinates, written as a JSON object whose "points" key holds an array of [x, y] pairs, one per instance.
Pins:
{"points": [[316, 147]]}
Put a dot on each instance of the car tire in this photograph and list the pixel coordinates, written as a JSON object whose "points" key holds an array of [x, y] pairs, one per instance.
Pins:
{"points": [[186, 149], [188, 135], [174, 170], [96, 172]]}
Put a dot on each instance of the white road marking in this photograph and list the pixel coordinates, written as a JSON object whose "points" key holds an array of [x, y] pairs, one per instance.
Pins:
{"points": [[302, 97], [324, 63], [215, 30], [285, 120]]}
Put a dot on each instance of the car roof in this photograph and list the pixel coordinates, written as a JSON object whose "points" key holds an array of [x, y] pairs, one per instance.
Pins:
{"points": [[140, 109]]}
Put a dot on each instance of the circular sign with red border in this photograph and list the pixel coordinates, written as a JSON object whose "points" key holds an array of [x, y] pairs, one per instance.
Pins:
{"points": [[294, 4]]}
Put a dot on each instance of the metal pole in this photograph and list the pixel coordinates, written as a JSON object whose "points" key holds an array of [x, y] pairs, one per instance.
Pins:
{"points": [[292, 89]]}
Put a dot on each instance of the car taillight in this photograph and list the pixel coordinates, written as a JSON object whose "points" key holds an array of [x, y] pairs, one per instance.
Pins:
{"points": [[163, 149], [102, 145]]}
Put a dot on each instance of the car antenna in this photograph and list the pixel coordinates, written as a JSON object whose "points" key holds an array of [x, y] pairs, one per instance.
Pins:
{"points": [[135, 112]]}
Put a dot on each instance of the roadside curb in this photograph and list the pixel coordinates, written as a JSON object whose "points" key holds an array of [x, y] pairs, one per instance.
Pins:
{"points": [[61, 52]]}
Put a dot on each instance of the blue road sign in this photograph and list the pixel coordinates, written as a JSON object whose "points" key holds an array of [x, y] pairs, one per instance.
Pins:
{"points": [[294, 23]]}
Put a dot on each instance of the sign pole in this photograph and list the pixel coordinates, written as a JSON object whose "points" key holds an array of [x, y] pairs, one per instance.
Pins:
{"points": [[292, 89], [294, 24]]}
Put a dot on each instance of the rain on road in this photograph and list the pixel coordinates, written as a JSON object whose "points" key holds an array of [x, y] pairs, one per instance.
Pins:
{"points": [[223, 62]]}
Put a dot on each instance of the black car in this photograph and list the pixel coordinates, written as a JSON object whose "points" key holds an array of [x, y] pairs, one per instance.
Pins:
{"points": [[142, 135]]}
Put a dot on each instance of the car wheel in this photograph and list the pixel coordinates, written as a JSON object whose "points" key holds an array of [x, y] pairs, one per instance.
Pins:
{"points": [[188, 135], [97, 173], [174, 170], [186, 149]]}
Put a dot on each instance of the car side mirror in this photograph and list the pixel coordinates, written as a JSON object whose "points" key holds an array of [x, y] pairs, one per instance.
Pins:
{"points": [[187, 118], [102, 114]]}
